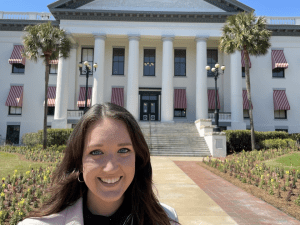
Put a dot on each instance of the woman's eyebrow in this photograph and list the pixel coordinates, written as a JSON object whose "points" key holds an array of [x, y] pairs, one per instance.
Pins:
{"points": [[101, 145]]}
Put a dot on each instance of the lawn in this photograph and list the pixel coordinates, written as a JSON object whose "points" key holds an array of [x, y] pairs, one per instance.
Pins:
{"points": [[272, 175], [13, 161]]}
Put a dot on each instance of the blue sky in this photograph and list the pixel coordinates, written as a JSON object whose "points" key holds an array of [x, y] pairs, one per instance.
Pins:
{"points": [[262, 7]]}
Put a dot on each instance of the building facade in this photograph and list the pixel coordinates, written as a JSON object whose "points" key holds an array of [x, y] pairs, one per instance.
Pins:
{"points": [[151, 58]]}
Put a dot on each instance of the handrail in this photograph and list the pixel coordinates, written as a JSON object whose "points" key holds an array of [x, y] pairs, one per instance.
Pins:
{"points": [[150, 139]]}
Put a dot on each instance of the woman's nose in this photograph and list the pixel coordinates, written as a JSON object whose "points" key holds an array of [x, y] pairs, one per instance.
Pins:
{"points": [[111, 164]]}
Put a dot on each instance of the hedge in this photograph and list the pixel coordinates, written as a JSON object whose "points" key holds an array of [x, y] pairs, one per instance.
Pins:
{"points": [[239, 140], [54, 137], [278, 143]]}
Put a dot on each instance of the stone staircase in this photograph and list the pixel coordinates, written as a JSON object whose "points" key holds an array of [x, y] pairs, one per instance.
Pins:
{"points": [[174, 139]]}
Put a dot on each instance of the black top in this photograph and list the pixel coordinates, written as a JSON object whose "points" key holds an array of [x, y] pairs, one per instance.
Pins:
{"points": [[118, 218]]}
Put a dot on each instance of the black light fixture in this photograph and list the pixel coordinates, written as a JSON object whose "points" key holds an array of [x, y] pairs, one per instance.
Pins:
{"points": [[216, 73], [87, 69]]}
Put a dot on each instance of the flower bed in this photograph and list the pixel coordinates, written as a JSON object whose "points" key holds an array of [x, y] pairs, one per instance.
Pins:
{"points": [[275, 185], [21, 193]]}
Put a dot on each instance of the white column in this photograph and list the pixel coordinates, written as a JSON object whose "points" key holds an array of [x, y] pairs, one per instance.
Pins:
{"points": [[201, 78], [61, 101], [73, 68], [98, 84], [133, 76], [237, 120], [167, 91]]}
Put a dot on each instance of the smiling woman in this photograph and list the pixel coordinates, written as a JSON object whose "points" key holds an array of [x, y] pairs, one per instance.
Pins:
{"points": [[105, 176]]}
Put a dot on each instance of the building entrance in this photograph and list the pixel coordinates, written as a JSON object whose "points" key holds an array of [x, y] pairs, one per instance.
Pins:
{"points": [[149, 105]]}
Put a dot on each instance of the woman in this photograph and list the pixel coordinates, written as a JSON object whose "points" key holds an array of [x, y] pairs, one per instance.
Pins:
{"points": [[105, 176]]}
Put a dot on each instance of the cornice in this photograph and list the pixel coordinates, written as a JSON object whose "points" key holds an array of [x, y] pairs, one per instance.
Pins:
{"points": [[19, 25], [159, 16], [284, 30]]}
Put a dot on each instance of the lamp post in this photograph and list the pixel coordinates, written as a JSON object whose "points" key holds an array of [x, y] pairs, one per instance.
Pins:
{"points": [[216, 73], [87, 69]]}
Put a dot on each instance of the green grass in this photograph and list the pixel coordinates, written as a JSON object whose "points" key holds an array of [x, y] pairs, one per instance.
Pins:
{"points": [[9, 162], [286, 161]]}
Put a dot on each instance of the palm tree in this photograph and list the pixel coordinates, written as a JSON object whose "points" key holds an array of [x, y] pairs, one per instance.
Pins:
{"points": [[47, 42], [248, 33]]}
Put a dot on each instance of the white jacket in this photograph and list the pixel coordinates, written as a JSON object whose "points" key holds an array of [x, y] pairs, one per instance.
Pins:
{"points": [[73, 215]]}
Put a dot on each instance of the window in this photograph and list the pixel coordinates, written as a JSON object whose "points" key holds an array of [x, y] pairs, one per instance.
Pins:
{"points": [[82, 108], [53, 68], [13, 110], [211, 110], [280, 114], [243, 72], [149, 62], [118, 61], [246, 113], [212, 59], [18, 68], [285, 130], [87, 54], [278, 72], [179, 112], [50, 111], [13, 134], [180, 62]]}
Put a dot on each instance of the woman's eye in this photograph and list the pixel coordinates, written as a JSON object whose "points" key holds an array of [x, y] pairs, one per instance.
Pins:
{"points": [[125, 150], [96, 152]]}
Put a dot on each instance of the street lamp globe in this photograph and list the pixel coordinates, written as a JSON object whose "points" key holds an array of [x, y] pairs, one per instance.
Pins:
{"points": [[86, 63], [213, 69], [217, 65], [207, 68], [223, 67]]}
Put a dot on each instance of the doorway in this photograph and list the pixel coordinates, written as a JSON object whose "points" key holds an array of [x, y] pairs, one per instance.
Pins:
{"points": [[149, 105]]}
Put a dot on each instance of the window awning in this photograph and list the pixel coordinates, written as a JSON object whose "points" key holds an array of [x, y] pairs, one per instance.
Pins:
{"points": [[117, 96], [54, 61], [280, 100], [211, 99], [245, 100], [81, 98], [51, 96], [16, 56], [180, 99], [278, 59], [243, 60], [15, 96]]}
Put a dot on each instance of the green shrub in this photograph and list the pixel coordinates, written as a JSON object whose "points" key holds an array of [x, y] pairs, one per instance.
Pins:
{"points": [[54, 137], [278, 143], [239, 140]]}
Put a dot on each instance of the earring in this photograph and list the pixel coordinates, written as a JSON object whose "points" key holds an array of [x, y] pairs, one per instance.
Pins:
{"points": [[79, 177]]}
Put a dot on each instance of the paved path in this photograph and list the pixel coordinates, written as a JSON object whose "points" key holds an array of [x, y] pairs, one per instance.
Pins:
{"points": [[202, 198]]}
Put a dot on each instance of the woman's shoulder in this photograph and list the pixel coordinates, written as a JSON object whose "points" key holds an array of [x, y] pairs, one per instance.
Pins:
{"points": [[57, 218], [72, 214], [170, 211]]}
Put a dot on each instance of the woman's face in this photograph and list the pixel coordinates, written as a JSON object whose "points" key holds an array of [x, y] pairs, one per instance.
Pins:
{"points": [[108, 160]]}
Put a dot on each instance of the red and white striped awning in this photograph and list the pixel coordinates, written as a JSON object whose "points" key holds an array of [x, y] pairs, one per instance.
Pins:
{"points": [[280, 100], [81, 98], [117, 96], [278, 59], [180, 99], [16, 56], [53, 61], [15, 96], [243, 60], [211, 99], [51, 96], [245, 100]]}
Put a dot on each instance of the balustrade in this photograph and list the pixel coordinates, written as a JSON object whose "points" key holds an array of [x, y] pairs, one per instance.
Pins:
{"points": [[26, 16], [223, 116], [75, 114]]}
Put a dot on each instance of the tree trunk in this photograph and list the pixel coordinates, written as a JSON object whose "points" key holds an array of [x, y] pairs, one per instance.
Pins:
{"points": [[247, 74], [47, 57]]}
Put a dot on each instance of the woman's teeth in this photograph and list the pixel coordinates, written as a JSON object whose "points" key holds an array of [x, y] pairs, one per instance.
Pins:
{"points": [[110, 181]]}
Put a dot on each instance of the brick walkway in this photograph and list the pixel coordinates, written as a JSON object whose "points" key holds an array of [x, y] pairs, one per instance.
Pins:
{"points": [[241, 206]]}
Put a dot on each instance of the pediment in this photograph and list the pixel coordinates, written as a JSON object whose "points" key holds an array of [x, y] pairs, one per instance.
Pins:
{"points": [[152, 5]]}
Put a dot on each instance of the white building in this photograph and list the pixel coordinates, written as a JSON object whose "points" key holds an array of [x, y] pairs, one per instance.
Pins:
{"points": [[151, 58]]}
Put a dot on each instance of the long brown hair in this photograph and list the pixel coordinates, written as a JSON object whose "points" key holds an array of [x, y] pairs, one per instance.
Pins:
{"points": [[65, 189]]}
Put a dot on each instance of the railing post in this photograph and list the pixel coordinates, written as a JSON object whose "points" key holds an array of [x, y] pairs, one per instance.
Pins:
{"points": [[32, 16]]}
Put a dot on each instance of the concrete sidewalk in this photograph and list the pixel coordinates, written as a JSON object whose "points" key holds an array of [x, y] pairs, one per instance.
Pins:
{"points": [[176, 189], [203, 198]]}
